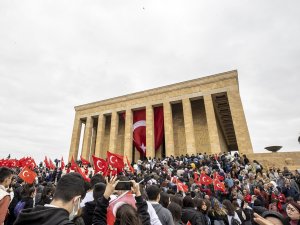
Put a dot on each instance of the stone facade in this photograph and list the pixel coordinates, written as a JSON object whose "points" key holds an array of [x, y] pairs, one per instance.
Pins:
{"points": [[201, 115]]}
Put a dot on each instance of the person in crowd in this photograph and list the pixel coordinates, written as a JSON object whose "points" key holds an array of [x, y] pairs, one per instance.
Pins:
{"points": [[89, 208], [164, 215], [202, 207], [164, 199], [47, 195], [176, 211], [97, 178], [189, 213], [126, 214], [289, 191], [6, 176], [62, 209], [249, 189], [293, 213], [232, 216], [217, 213]]}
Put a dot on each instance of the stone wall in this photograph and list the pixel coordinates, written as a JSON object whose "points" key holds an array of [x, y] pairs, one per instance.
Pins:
{"points": [[277, 159]]}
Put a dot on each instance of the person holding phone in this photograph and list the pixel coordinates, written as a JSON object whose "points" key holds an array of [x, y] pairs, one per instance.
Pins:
{"points": [[126, 214]]}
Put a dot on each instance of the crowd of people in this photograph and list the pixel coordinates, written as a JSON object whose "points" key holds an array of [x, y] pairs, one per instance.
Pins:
{"points": [[162, 192]]}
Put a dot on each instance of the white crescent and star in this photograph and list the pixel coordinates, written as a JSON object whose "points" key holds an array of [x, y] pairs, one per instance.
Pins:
{"points": [[99, 166], [140, 123], [111, 159], [25, 173]]}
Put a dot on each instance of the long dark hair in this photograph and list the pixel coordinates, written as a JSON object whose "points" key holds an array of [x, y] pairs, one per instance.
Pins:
{"points": [[229, 207], [127, 215]]}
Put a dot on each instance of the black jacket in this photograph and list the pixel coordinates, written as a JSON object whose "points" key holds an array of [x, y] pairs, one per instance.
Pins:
{"points": [[195, 217], [99, 217], [88, 212], [41, 215]]}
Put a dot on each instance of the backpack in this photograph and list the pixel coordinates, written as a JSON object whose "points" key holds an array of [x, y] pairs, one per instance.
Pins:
{"points": [[234, 221], [18, 208]]}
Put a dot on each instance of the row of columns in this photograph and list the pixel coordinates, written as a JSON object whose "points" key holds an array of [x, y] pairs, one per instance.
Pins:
{"points": [[234, 102]]}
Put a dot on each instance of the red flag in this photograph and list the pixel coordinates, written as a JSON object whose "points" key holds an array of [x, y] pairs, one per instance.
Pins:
{"points": [[27, 175], [181, 186], [78, 170], [139, 131], [188, 223], [218, 177], [204, 179], [196, 177], [219, 186], [12, 163], [46, 162], [174, 180], [21, 162], [158, 126], [30, 163], [115, 160], [73, 164], [115, 204], [4, 162], [84, 161], [62, 163], [52, 166], [129, 165], [100, 165]]}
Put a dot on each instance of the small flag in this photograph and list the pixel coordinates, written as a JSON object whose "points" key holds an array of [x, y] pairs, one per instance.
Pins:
{"points": [[27, 175]]}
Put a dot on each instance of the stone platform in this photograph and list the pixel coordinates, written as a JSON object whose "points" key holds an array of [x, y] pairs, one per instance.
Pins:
{"points": [[277, 159]]}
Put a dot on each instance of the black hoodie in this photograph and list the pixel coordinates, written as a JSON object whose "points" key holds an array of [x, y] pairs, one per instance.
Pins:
{"points": [[88, 212], [41, 215]]}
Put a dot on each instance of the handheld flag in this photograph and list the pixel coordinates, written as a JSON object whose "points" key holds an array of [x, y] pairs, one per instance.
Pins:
{"points": [[100, 165], [27, 175]]}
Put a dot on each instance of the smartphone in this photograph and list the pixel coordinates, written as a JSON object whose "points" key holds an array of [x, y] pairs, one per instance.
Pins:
{"points": [[124, 185]]}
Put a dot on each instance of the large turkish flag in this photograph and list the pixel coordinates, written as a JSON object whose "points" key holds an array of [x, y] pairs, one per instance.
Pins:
{"points": [[139, 129]]}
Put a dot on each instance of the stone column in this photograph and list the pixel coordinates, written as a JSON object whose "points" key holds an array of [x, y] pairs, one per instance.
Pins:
{"points": [[75, 138], [86, 147], [100, 137], [189, 126], [93, 144], [239, 120], [212, 125], [128, 134], [113, 132], [168, 127], [150, 148]]}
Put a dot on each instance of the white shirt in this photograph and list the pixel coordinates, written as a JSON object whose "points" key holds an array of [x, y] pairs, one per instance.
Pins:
{"points": [[88, 197], [154, 220]]}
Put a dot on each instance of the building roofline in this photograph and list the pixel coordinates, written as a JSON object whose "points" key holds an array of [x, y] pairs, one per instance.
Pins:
{"points": [[162, 89]]}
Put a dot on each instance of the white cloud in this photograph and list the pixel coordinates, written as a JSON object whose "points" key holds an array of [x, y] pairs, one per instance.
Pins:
{"points": [[58, 54]]}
